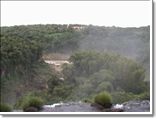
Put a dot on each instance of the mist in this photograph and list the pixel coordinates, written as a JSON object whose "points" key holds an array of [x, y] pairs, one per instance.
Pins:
{"points": [[125, 41]]}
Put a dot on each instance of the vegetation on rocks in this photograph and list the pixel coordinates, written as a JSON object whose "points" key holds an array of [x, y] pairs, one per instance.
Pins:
{"points": [[5, 108], [33, 103], [103, 99]]}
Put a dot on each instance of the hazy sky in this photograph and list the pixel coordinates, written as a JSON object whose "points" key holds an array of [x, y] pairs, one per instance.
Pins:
{"points": [[103, 13]]}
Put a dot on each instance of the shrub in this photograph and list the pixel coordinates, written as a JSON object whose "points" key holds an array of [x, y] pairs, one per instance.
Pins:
{"points": [[103, 99], [5, 108], [143, 96], [33, 102], [121, 97]]}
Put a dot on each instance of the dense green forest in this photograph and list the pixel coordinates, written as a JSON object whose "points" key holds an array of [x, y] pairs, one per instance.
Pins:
{"points": [[111, 59]]}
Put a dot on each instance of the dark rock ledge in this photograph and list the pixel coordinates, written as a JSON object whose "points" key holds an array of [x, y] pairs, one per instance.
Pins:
{"points": [[130, 106]]}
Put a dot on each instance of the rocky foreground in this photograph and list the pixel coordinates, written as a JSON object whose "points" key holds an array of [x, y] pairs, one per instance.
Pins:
{"points": [[130, 106]]}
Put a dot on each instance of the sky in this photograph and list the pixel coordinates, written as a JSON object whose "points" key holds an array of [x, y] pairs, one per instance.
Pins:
{"points": [[101, 13]]}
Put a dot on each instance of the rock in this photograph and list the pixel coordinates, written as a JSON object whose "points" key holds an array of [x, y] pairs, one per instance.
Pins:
{"points": [[31, 109], [137, 106], [113, 110], [130, 106], [117, 110], [100, 107], [107, 105], [72, 107]]}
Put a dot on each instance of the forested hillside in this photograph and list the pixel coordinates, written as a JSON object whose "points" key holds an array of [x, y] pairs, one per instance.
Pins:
{"points": [[111, 59]]}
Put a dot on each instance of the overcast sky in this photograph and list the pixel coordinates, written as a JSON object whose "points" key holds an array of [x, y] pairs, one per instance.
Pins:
{"points": [[102, 13]]}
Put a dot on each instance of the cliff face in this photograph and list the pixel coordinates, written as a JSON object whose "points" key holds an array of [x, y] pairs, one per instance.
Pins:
{"points": [[130, 106]]}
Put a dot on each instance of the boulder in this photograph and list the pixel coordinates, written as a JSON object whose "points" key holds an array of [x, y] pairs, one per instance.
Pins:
{"points": [[31, 109]]}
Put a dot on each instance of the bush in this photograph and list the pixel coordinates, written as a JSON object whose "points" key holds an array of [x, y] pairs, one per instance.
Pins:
{"points": [[33, 102], [103, 99], [145, 96], [5, 108], [121, 97]]}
